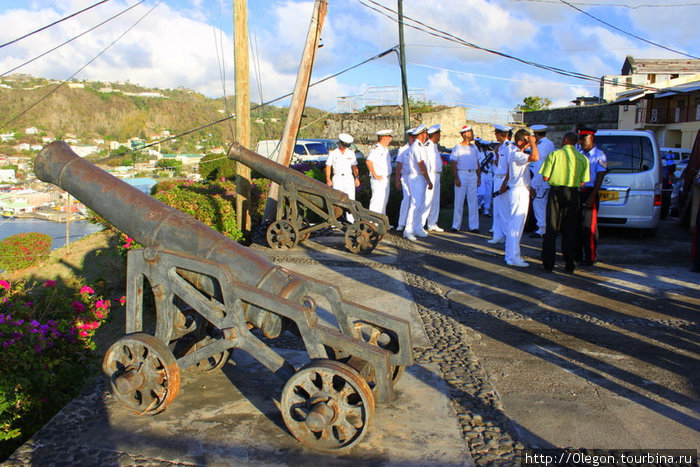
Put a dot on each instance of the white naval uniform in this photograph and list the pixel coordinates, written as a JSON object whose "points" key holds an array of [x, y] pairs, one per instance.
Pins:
{"points": [[381, 162], [432, 197], [501, 207], [518, 196], [466, 157], [343, 179], [418, 186], [404, 159], [539, 204], [485, 190]]}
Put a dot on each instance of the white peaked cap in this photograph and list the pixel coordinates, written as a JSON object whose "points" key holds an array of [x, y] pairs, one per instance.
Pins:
{"points": [[345, 138]]}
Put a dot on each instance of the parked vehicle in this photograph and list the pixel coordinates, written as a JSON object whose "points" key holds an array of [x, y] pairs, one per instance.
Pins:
{"points": [[630, 196], [679, 154], [305, 150]]}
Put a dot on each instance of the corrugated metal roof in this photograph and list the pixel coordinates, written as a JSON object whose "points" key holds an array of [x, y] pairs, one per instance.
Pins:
{"points": [[682, 66]]}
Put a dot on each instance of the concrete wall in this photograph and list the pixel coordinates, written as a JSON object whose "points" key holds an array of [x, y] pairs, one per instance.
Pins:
{"points": [[596, 116]]}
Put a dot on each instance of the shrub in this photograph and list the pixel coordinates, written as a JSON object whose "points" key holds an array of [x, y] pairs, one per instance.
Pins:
{"points": [[211, 204], [23, 250], [216, 167], [46, 354], [259, 189]]}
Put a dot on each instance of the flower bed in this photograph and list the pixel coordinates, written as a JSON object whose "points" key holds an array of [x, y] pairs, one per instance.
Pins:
{"points": [[46, 356]]}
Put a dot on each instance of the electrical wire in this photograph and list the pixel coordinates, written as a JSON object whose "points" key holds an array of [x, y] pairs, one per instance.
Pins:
{"points": [[623, 5], [627, 33], [72, 39], [81, 68], [220, 61], [53, 24], [322, 80], [450, 37]]}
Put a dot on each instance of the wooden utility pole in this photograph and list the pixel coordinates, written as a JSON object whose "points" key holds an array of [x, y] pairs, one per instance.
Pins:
{"points": [[296, 107], [404, 81], [242, 76]]}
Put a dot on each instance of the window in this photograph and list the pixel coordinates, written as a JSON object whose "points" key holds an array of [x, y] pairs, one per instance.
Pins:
{"points": [[627, 154]]}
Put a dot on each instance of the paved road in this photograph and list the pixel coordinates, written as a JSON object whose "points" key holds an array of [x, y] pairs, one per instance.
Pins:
{"points": [[506, 358]]}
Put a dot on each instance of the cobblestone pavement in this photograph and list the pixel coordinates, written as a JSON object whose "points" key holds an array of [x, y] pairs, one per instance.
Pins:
{"points": [[606, 358]]}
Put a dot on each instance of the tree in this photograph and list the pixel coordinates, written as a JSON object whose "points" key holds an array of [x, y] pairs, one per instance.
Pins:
{"points": [[532, 103]]}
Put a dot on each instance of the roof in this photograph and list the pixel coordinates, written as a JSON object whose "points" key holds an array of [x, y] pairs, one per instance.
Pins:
{"points": [[635, 94], [682, 66]]}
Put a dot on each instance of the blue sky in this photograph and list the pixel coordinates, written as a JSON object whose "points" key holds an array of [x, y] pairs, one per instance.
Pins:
{"points": [[188, 43]]}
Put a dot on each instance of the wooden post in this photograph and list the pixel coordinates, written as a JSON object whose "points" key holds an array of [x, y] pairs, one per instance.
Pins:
{"points": [[242, 76], [404, 80], [296, 107]]}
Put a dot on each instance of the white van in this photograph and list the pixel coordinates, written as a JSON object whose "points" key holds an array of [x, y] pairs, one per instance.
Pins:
{"points": [[305, 150], [630, 195]]}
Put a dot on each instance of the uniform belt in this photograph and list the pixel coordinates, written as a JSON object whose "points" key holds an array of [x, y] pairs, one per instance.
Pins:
{"points": [[466, 170], [341, 175], [499, 175]]}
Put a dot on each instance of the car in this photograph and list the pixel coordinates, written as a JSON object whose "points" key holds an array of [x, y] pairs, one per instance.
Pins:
{"points": [[630, 195], [305, 150], [679, 154]]}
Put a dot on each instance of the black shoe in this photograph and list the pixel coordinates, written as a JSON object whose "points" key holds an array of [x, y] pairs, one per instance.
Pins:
{"points": [[570, 269], [548, 269], [536, 235], [474, 230], [453, 230], [587, 263]]}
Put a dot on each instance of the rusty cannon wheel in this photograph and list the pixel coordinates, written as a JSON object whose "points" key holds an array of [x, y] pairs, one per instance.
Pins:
{"points": [[361, 237], [282, 235], [142, 372], [327, 406], [379, 337]]}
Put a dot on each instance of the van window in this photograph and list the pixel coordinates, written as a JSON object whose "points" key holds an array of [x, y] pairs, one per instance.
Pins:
{"points": [[299, 149], [627, 154], [316, 149]]}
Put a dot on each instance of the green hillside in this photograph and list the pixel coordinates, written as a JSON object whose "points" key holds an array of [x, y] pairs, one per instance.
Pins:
{"points": [[103, 110]]}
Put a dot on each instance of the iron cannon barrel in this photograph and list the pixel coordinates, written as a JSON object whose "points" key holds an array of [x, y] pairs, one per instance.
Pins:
{"points": [[282, 175], [155, 224]]}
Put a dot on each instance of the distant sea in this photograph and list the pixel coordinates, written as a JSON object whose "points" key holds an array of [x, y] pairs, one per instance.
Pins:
{"points": [[56, 230]]}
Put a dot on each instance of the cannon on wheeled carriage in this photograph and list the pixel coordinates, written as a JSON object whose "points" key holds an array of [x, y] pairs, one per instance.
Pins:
{"points": [[301, 196], [213, 295]]}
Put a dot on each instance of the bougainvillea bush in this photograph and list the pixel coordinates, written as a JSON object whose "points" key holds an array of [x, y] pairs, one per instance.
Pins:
{"points": [[23, 250], [46, 352]]}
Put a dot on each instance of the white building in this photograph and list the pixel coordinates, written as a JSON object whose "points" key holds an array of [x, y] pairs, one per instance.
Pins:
{"points": [[8, 175], [84, 151], [31, 131]]}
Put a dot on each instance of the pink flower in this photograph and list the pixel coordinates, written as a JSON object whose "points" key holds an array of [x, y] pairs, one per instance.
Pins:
{"points": [[84, 333], [50, 284], [5, 285], [122, 300], [78, 307], [86, 289]]}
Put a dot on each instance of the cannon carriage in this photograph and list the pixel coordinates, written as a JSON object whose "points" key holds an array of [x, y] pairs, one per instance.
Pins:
{"points": [[213, 296], [301, 196]]}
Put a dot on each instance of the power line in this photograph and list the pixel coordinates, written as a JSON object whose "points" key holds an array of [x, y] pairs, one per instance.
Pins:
{"points": [[623, 5], [81, 68], [450, 37], [625, 32], [207, 125], [54, 23], [71, 39]]}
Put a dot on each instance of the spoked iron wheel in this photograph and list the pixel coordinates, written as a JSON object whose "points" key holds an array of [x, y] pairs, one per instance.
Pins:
{"points": [[380, 337], [282, 235], [327, 406], [361, 237], [142, 372]]}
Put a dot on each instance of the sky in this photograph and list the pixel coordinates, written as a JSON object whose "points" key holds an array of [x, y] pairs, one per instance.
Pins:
{"points": [[189, 43]]}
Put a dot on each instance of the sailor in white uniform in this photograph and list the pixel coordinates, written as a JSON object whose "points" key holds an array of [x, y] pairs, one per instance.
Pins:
{"points": [[434, 166], [465, 167], [343, 164], [541, 188], [379, 166], [420, 184], [501, 207], [403, 170]]}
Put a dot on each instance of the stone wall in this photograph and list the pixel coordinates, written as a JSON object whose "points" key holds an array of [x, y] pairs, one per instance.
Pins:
{"points": [[364, 126]]}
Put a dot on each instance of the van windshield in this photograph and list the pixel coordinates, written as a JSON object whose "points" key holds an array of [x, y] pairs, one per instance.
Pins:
{"points": [[316, 149], [627, 154]]}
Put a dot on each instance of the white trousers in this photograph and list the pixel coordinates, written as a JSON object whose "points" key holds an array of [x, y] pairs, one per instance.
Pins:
{"points": [[432, 201], [539, 207], [501, 209], [414, 219], [467, 187], [405, 202], [346, 184], [485, 191], [519, 200], [380, 195]]}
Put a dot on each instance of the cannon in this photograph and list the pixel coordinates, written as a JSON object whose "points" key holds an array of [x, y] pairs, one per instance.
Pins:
{"points": [[213, 295], [300, 196]]}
